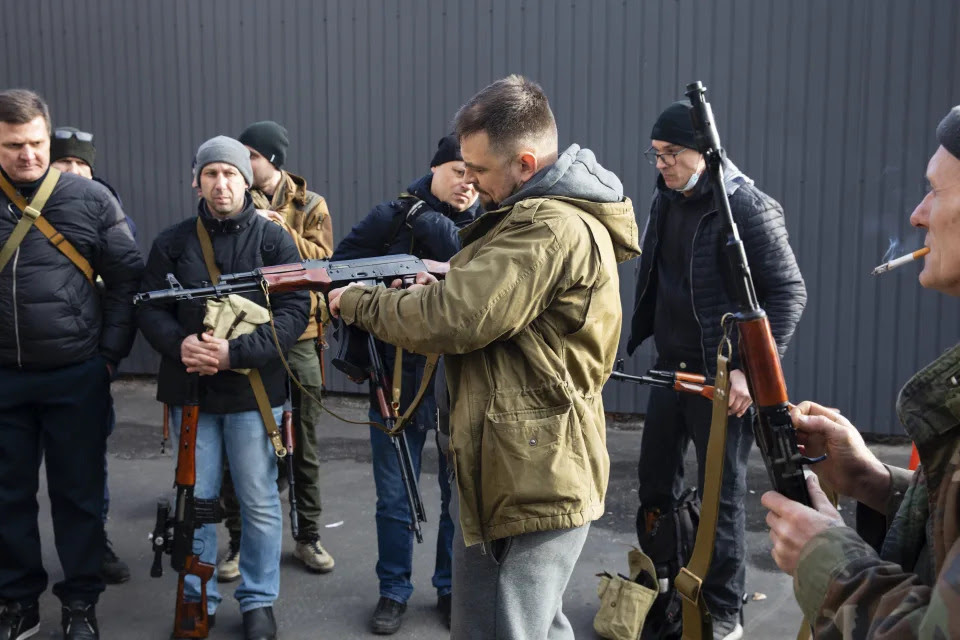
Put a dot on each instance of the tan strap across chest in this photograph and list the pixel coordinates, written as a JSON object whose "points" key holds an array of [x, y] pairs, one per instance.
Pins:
{"points": [[31, 216], [256, 382]]}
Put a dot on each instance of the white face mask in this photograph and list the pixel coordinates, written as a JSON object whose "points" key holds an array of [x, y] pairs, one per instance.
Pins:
{"points": [[691, 183]]}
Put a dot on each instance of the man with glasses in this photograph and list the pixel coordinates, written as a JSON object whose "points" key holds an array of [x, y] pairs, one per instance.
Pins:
{"points": [[682, 293], [72, 151]]}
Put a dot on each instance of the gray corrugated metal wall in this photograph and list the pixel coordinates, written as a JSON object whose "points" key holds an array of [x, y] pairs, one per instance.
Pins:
{"points": [[829, 105]]}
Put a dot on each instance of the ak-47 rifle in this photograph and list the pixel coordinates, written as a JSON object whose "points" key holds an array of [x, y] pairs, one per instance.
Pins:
{"points": [[676, 380], [174, 535], [290, 444], [760, 361], [322, 276], [308, 275]]}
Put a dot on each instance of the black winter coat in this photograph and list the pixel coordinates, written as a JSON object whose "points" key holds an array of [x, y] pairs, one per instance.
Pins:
{"points": [[51, 316], [243, 242], [434, 235], [776, 276]]}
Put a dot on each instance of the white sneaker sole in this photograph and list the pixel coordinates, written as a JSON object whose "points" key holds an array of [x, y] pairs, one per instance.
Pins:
{"points": [[29, 633]]}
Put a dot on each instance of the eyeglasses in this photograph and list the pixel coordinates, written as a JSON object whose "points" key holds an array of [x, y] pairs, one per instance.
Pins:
{"points": [[66, 134], [669, 159]]}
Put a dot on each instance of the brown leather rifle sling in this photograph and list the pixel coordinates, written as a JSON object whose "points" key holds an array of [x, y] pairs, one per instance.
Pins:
{"points": [[256, 382], [697, 624], [31, 217]]}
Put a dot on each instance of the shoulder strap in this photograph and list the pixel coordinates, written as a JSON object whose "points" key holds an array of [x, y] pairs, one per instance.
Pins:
{"points": [[400, 217], [256, 382], [31, 216]]}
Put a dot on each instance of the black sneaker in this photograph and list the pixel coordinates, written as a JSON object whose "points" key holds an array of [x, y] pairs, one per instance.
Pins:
{"points": [[444, 603], [387, 617], [19, 621], [79, 621], [113, 570], [258, 624]]}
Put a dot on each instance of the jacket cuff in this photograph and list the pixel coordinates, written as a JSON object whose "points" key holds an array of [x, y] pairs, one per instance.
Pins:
{"points": [[900, 480], [822, 559], [349, 301]]}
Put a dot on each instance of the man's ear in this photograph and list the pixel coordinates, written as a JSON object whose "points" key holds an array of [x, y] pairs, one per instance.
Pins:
{"points": [[433, 169], [528, 165]]}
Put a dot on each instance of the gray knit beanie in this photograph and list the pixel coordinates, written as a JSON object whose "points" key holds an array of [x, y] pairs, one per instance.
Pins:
{"points": [[948, 132], [225, 149]]}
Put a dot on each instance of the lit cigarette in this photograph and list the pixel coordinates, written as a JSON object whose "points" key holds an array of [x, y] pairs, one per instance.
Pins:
{"points": [[902, 260]]}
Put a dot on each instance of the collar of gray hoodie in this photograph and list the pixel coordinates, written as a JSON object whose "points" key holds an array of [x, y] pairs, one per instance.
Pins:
{"points": [[575, 174]]}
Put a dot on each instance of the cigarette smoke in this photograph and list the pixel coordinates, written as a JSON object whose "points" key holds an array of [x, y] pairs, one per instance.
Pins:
{"points": [[891, 250]]}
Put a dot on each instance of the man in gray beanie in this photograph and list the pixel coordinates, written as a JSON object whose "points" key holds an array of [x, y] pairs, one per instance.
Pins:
{"points": [[230, 420], [898, 574]]}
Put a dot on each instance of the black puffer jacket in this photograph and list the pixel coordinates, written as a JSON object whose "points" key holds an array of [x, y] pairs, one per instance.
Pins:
{"points": [[241, 243], [50, 315], [776, 276]]}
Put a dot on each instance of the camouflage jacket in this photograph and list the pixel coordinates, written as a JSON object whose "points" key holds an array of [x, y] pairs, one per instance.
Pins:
{"points": [[911, 588], [307, 220]]}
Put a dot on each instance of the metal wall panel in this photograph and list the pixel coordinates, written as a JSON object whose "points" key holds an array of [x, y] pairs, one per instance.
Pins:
{"points": [[830, 106]]}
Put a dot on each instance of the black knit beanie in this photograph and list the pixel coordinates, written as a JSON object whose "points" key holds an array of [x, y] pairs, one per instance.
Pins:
{"points": [[948, 132], [65, 144], [675, 126], [448, 150], [269, 139]]}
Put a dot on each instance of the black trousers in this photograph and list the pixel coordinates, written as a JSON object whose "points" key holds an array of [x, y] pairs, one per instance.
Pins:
{"points": [[65, 411], [673, 420]]}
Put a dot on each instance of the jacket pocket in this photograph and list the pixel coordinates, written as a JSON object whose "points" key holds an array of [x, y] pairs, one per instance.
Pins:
{"points": [[531, 464]]}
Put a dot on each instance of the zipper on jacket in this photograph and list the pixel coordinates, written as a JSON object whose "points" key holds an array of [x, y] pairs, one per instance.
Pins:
{"points": [[16, 322], [693, 304]]}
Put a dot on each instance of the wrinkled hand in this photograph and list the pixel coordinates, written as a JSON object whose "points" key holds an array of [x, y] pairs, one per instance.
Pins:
{"points": [[422, 279], [740, 399], [207, 356], [850, 467], [273, 216], [792, 524]]}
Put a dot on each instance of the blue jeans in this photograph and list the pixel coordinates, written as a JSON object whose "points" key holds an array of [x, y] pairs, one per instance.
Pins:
{"points": [[254, 467], [394, 539]]}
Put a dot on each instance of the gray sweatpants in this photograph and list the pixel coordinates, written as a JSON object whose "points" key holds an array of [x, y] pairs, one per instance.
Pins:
{"points": [[512, 589]]}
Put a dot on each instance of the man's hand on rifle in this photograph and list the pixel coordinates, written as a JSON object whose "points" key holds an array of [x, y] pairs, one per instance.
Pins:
{"points": [[333, 299], [850, 467], [205, 357], [793, 525], [740, 399], [421, 280]]}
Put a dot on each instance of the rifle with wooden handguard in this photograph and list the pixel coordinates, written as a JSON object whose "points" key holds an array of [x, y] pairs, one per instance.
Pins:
{"points": [[760, 361], [174, 534], [677, 380], [307, 275]]}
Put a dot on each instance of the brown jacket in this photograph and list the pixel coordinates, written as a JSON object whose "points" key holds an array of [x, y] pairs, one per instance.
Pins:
{"points": [[307, 220]]}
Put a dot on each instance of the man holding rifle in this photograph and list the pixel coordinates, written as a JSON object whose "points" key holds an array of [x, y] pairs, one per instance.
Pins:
{"points": [[682, 294], [901, 579], [227, 235], [424, 221], [528, 319]]}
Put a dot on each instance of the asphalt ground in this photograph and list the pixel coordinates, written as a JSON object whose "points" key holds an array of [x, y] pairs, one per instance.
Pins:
{"points": [[338, 605]]}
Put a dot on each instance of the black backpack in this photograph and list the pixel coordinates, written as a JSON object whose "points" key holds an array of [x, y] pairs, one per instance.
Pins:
{"points": [[668, 538]]}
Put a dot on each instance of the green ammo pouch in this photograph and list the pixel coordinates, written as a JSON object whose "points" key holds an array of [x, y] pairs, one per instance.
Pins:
{"points": [[624, 602]]}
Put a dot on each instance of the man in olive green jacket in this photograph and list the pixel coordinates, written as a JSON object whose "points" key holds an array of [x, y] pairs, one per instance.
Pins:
{"points": [[901, 579], [529, 321]]}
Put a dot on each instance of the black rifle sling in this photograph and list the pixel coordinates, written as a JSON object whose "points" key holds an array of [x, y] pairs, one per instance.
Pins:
{"points": [[256, 382]]}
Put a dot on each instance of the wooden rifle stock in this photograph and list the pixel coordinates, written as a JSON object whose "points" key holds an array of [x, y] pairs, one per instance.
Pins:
{"points": [[190, 618]]}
